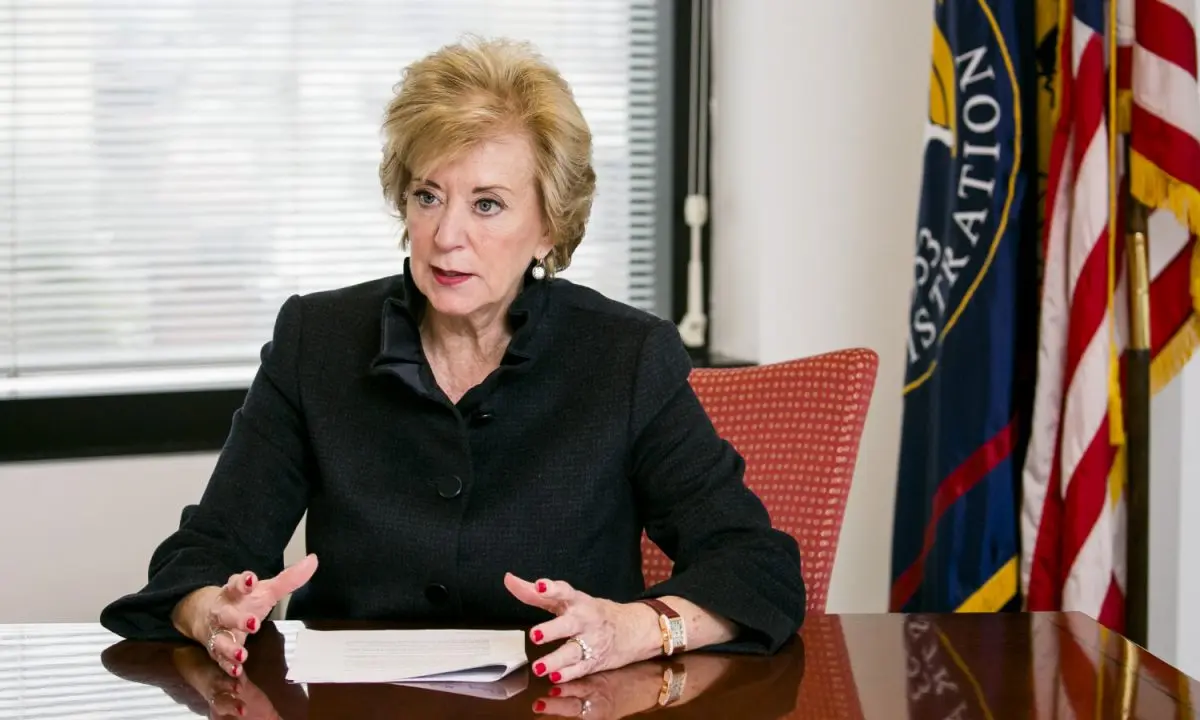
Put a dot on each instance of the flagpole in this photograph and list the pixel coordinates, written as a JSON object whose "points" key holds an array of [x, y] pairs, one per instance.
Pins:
{"points": [[1136, 400], [1137, 422]]}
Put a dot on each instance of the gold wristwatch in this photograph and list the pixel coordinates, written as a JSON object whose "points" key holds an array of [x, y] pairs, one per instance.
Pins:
{"points": [[673, 682], [674, 634]]}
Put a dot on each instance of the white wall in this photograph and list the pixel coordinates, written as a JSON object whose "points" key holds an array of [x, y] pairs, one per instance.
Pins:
{"points": [[76, 535], [1174, 532], [817, 135]]}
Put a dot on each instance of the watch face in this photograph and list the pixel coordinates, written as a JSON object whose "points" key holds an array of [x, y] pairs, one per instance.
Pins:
{"points": [[678, 638], [672, 689]]}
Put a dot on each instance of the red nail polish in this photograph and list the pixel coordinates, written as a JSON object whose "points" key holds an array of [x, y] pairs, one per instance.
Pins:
{"points": [[249, 582], [555, 676], [251, 624], [537, 636], [539, 669], [539, 706], [555, 691], [237, 670], [238, 655], [541, 586]]}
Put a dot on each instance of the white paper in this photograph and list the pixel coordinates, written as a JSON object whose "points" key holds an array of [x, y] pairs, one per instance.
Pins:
{"points": [[390, 656]]}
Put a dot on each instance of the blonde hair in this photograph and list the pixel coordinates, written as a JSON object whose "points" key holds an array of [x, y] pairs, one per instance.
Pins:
{"points": [[475, 90]]}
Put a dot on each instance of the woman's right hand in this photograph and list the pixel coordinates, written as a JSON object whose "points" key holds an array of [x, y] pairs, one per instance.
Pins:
{"points": [[220, 618]]}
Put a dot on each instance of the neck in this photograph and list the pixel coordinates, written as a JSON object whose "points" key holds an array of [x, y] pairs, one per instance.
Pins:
{"points": [[465, 340]]}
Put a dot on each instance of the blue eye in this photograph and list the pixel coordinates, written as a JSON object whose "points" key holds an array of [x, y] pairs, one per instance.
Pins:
{"points": [[487, 206], [425, 198]]}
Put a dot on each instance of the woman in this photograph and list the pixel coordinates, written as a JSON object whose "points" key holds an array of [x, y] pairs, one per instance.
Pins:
{"points": [[475, 440]]}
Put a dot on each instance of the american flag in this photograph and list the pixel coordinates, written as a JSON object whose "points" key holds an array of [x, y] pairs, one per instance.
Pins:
{"points": [[1073, 514]]}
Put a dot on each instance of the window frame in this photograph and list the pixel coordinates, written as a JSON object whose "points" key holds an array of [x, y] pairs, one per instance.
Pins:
{"points": [[161, 422]]}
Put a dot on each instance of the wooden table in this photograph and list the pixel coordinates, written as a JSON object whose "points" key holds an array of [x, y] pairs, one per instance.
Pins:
{"points": [[851, 666]]}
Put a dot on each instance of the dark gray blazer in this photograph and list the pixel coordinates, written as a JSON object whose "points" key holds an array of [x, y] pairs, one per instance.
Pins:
{"points": [[586, 434]]}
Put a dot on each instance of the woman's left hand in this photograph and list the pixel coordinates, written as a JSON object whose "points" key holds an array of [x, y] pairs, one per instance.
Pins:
{"points": [[616, 634]]}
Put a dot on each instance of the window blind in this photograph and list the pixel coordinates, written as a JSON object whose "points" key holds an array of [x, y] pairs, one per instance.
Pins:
{"points": [[171, 171]]}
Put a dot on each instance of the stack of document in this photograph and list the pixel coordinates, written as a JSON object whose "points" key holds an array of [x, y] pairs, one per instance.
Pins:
{"points": [[406, 656]]}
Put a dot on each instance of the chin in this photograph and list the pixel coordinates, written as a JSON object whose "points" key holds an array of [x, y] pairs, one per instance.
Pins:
{"points": [[453, 302]]}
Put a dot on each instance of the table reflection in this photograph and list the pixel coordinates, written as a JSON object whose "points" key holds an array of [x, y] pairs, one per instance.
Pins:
{"points": [[1040, 665], [691, 685], [1046, 665]]}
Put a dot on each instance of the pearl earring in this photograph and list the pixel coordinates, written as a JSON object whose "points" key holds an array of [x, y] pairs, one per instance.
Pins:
{"points": [[539, 270]]}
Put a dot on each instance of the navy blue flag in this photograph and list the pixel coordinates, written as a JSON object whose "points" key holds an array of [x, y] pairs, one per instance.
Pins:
{"points": [[972, 321]]}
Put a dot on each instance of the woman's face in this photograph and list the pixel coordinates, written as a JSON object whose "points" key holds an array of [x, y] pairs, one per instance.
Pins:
{"points": [[474, 225]]}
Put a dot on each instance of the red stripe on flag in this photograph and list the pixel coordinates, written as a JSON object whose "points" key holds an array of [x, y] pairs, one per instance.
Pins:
{"points": [[1174, 281], [1124, 67], [1089, 306], [1086, 494], [1089, 106], [1166, 32], [1112, 612], [1168, 147]]}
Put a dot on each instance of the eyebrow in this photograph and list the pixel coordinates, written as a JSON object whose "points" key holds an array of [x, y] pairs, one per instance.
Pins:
{"points": [[479, 189]]}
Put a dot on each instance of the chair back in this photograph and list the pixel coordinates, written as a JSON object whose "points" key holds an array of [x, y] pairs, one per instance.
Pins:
{"points": [[797, 424]]}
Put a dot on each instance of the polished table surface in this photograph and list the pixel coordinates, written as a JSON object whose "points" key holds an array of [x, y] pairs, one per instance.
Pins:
{"points": [[848, 666]]}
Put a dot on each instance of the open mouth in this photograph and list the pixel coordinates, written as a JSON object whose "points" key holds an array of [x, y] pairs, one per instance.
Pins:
{"points": [[449, 277]]}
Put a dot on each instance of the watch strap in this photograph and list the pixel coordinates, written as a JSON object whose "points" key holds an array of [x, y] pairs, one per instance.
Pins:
{"points": [[661, 607], [674, 634]]}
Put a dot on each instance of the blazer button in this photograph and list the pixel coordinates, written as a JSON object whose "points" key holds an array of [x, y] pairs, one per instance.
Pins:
{"points": [[449, 487], [437, 594]]}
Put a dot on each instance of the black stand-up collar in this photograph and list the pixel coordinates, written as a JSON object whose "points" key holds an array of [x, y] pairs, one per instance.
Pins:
{"points": [[402, 355]]}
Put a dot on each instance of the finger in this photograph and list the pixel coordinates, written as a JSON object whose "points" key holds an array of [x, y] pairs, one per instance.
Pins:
{"points": [[564, 626], [527, 592], [292, 578], [221, 685], [559, 590], [233, 617], [584, 687], [564, 664], [561, 706], [546, 594], [232, 669], [227, 651], [240, 585], [574, 671], [227, 705]]}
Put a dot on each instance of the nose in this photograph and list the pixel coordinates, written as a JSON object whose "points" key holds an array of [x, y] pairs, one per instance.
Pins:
{"points": [[452, 227]]}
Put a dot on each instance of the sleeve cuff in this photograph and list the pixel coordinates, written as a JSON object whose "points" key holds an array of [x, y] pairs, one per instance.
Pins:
{"points": [[764, 627], [146, 615]]}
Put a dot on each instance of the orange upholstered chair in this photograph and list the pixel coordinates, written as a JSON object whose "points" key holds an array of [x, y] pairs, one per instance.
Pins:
{"points": [[798, 425]]}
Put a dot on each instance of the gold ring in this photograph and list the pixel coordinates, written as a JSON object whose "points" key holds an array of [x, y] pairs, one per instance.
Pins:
{"points": [[212, 637]]}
